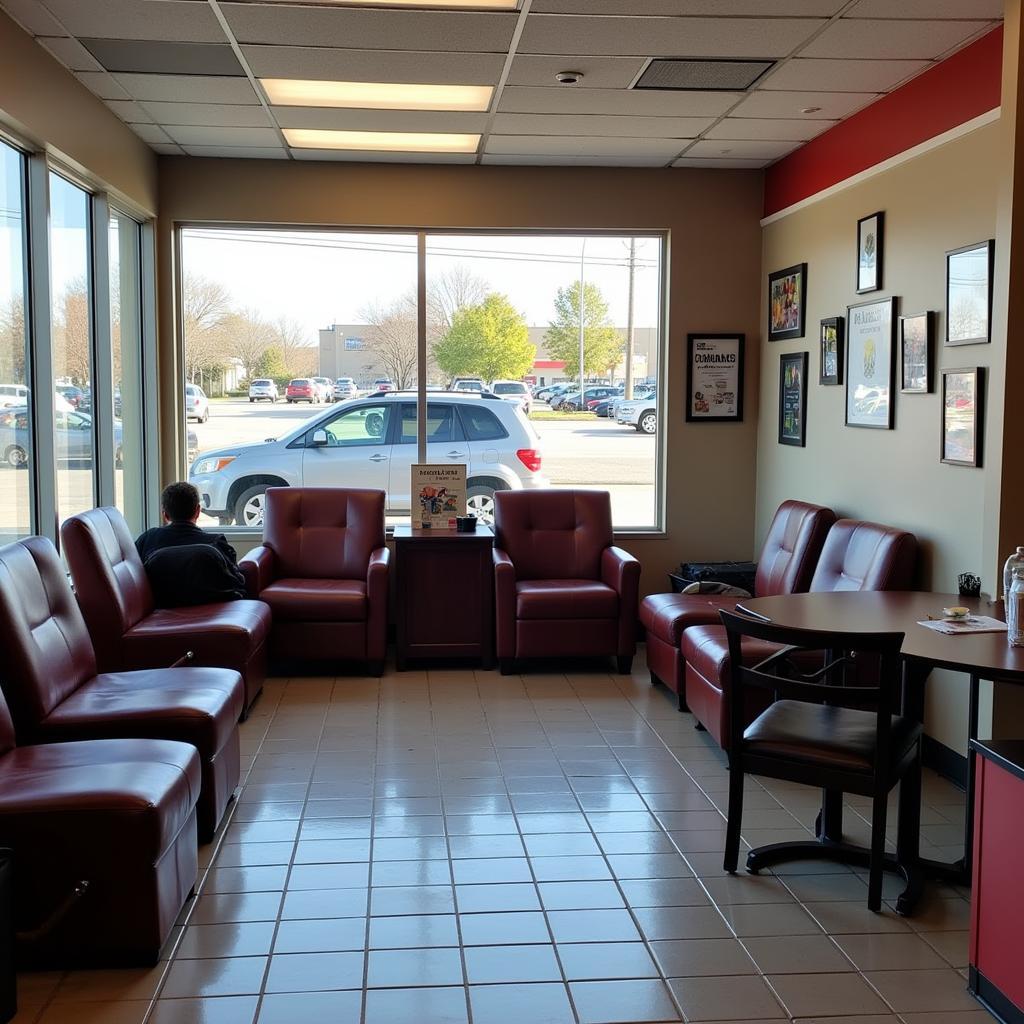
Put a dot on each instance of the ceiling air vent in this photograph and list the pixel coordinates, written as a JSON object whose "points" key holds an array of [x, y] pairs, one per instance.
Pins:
{"points": [[706, 75]]}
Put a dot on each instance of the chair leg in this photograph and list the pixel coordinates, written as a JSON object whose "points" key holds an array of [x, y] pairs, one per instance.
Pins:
{"points": [[654, 680], [624, 664], [700, 727], [875, 872], [507, 666], [732, 828], [375, 667]]}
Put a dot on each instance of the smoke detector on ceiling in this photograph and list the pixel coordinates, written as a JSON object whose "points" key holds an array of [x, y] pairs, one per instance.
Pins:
{"points": [[569, 77]]}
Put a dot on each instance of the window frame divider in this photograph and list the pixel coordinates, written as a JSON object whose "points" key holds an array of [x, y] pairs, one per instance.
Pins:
{"points": [[102, 353]]}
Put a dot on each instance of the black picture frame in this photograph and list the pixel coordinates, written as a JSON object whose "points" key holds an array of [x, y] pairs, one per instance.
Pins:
{"points": [[869, 393], [917, 344], [787, 303], [870, 252], [960, 441], [702, 409], [831, 340], [793, 398], [969, 293]]}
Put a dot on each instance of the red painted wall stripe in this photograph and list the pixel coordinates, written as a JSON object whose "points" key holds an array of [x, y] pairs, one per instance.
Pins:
{"points": [[949, 94]]}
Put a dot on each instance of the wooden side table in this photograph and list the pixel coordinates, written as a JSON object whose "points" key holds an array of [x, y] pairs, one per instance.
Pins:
{"points": [[445, 594]]}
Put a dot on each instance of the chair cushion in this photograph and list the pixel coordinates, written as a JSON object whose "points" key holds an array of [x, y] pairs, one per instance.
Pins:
{"points": [[237, 628], [565, 599], [298, 600], [841, 738], [668, 615], [150, 785], [200, 706], [706, 650]]}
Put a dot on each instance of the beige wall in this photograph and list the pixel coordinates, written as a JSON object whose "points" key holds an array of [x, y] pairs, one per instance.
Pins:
{"points": [[713, 221], [44, 104], [939, 201]]}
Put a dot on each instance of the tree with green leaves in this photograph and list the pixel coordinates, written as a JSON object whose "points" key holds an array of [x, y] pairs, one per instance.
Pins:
{"points": [[489, 340], [603, 346]]}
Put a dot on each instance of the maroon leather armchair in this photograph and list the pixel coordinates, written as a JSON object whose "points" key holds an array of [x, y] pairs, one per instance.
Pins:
{"points": [[117, 815], [786, 564], [323, 571], [128, 632], [54, 692], [562, 589], [857, 555]]}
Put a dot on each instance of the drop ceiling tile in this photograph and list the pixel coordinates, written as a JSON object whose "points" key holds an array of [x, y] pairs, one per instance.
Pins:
{"points": [[561, 100], [199, 135], [467, 32], [690, 8], [598, 124], [878, 40], [927, 9], [103, 85], [229, 115], [775, 128], [585, 145], [239, 152], [833, 105], [188, 88], [404, 66], [358, 156], [842, 75], [157, 57], [598, 72], [130, 111], [724, 163], [33, 17], [139, 19], [167, 149], [674, 37], [746, 150], [151, 133], [70, 52], [343, 119], [547, 160]]}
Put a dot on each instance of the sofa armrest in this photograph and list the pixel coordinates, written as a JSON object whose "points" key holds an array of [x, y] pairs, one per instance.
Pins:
{"points": [[504, 604], [621, 571], [258, 569], [377, 604]]}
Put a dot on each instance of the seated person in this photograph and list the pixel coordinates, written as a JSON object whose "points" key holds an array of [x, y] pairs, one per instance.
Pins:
{"points": [[185, 564]]}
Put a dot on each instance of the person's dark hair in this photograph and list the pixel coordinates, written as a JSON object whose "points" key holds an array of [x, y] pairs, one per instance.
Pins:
{"points": [[179, 501]]}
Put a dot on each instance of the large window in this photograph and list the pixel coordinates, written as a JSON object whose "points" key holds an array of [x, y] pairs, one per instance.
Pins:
{"points": [[71, 331], [279, 323], [15, 397]]}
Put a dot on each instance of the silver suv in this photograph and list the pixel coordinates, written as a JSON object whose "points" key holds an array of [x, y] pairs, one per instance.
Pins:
{"points": [[371, 442]]}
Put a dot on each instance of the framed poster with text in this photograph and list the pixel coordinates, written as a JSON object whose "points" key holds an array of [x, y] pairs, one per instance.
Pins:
{"points": [[870, 360], [714, 377], [438, 495], [793, 399]]}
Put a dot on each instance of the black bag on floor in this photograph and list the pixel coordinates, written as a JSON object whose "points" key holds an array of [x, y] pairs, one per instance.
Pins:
{"points": [[735, 574]]}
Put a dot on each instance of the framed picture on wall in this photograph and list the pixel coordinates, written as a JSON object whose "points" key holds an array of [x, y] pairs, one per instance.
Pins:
{"points": [[962, 394], [793, 399], [969, 294], [831, 344], [787, 303], [714, 377], [870, 350], [869, 252], [916, 353]]}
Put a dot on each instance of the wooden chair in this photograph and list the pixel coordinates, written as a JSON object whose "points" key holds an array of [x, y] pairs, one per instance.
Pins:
{"points": [[835, 728]]}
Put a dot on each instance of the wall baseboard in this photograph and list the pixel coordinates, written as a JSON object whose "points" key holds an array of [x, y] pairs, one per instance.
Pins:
{"points": [[947, 762]]}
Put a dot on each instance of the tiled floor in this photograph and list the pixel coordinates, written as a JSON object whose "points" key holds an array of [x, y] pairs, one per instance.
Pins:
{"points": [[456, 846]]}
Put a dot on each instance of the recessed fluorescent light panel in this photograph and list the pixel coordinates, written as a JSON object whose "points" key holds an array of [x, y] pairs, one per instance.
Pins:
{"points": [[382, 142], [294, 92], [426, 5]]}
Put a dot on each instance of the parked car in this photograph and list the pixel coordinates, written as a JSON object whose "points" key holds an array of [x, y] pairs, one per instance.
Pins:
{"points": [[263, 390], [344, 388], [197, 405], [73, 433], [72, 394], [548, 393], [13, 395], [302, 389], [371, 442], [570, 402], [513, 391], [383, 384], [468, 384], [641, 413], [326, 388]]}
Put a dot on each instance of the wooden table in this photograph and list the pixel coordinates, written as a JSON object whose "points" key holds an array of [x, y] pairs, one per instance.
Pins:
{"points": [[982, 656], [445, 593]]}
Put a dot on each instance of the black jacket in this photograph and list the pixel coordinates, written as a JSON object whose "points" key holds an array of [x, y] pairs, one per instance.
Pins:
{"points": [[175, 535], [187, 566]]}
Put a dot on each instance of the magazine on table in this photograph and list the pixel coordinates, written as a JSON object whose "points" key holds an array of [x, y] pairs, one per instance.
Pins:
{"points": [[969, 624], [438, 495]]}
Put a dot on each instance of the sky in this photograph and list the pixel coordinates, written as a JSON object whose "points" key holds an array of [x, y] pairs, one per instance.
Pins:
{"points": [[320, 278]]}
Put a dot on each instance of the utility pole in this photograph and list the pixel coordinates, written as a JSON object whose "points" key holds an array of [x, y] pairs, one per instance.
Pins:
{"points": [[629, 321], [583, 250]]}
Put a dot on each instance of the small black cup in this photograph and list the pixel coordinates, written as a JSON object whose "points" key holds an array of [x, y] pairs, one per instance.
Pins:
{"points": [[465, 524], [970, 585]]}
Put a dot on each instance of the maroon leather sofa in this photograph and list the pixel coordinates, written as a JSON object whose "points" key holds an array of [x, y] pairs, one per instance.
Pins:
{"points": [[118, 815], [857, 555], [323, 571], [128, 632], [562, 589], [786, 564], [52, 687]]}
